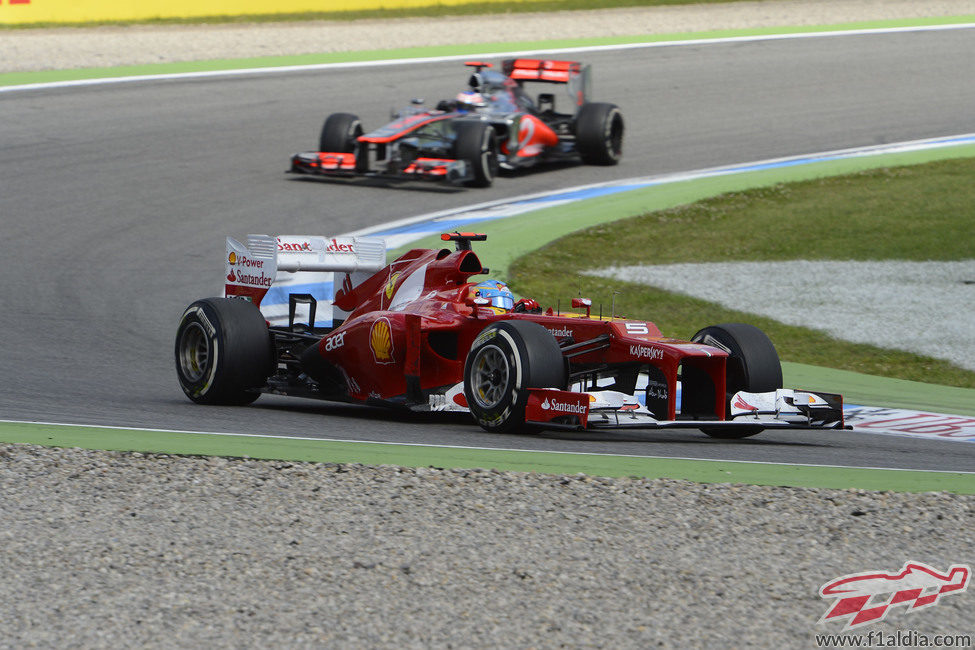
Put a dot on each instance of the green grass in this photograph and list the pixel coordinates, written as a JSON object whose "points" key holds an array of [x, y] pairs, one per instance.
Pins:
{"points": [[923, 212], [434, 10], [330, 451]]}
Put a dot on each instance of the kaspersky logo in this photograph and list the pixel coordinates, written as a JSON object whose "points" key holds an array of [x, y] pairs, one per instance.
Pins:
{"points": [[864, 598]]}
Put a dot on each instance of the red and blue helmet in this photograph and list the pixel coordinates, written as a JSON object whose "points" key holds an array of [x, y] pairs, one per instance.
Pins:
{"points": [[496, 292]]}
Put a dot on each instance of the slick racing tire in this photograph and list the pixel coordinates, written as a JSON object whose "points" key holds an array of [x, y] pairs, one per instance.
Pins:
{"points": [[223, 351], [340, 133], [599, 133], [477, 144], [506, 359], [753, 366]]}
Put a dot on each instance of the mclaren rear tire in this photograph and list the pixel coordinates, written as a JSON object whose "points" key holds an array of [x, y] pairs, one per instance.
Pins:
{"points": [[223, 351], [506, 359], [753, 366], [478, 145], [599, 133]]}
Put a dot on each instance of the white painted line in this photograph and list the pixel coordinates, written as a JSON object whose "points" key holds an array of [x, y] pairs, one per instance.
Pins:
{"points": [[409, 229], [463, 447], [439, 59]]}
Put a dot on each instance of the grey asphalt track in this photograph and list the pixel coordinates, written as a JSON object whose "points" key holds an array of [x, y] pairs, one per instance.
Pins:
{"points": [[115, 202]]}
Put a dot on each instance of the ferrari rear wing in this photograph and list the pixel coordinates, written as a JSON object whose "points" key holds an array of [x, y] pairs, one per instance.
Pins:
{"points": [[252, 268]]}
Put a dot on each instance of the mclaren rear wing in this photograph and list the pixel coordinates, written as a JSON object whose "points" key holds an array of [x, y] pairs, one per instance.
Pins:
{"points": [[573, 74], [276, 272]]}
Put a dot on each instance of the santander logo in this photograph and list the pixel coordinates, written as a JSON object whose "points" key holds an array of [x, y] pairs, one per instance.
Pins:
{"points": [[335, 246], [332, 246], [561, 407], [293, 247]]}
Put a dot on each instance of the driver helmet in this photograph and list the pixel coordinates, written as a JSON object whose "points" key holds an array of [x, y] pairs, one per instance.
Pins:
{"points": [[470, 100], [496, 292]]}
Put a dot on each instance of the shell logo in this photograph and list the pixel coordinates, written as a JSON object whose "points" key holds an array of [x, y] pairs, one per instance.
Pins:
{"points": [[381, 341], [391, 284], [233, 257]]}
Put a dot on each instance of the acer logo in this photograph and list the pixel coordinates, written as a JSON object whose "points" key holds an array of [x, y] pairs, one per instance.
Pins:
{"points": [[334, 342]]}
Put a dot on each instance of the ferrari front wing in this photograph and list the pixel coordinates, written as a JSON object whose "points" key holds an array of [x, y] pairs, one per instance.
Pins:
{"points": [[550, 408], [784, 408]]}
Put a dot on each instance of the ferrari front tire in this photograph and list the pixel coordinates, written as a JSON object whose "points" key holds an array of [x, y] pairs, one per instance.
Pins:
{"points": [[506, 359], [223, 351], [599, 133], [340, 133], [477, 144], [753, 365]]}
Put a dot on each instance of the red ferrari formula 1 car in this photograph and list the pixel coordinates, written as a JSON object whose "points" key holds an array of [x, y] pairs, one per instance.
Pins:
{"points": [[426, 333], [494, 124]]}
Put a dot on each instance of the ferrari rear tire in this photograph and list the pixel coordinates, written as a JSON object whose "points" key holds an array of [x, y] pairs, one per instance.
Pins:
{"points": [[753, 365], [340, 133], [599, 133], [506, 359], [223, 351], [477, 144]]}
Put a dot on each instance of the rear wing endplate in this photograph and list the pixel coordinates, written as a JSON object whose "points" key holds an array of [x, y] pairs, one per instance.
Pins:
{"points": [[252, 268]]}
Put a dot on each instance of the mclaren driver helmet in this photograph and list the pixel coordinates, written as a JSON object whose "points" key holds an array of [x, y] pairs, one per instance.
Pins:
{"points": [[470, 101]]}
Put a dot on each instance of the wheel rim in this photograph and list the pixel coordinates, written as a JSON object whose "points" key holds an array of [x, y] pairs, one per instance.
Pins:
{"points": [[194, 352], [489, 376]]}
